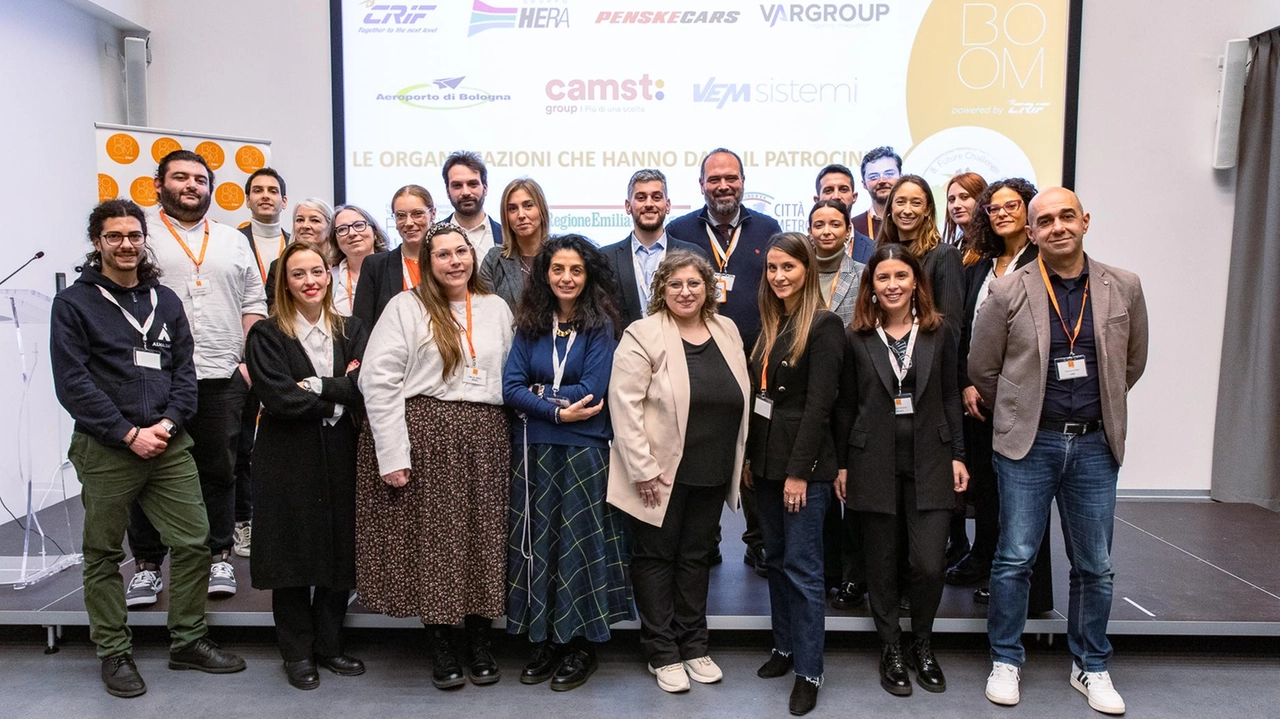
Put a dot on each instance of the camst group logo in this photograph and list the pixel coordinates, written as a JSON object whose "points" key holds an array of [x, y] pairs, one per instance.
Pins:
{"points": [[601, 95], [445, 93], [774, 92], [667, 17], [823, 13], [546, 15], [388, 18]]}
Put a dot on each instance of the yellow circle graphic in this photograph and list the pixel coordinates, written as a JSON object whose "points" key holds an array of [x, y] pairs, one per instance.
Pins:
{"points": [[212, 153], [229, 196], [108, 188], [143, 191], [250, 158], [162, 147], [122, 148]]}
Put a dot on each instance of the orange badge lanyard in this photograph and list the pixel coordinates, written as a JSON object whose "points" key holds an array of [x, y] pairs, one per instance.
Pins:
{"points": [[871, 226], [467, 331], [1053, 298], [351, 295], [764, 371], [722, 256], [258, 254], [832, 295], [203, 246]]}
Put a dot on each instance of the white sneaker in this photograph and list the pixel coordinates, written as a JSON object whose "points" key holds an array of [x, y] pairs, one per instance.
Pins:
{"points": [[703, 671], [143, 587], [671, 678], [243, 533], [1002, 684], [222, 579], [1097, 687]]}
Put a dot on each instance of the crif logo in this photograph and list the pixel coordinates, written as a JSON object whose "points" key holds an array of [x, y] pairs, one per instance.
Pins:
{"points": [[824, 13], [1027, 108], [721, 92], [396, 14], [486, 17]]}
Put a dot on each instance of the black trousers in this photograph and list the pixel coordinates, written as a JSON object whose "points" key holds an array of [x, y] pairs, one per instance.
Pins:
{"points": [[925, 549], [842, 546], [309, 624], [244, 453], [670, 568], [215, 430]]}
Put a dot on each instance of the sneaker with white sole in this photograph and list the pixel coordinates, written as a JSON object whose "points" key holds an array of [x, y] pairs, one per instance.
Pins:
{"points": [[1097, 687], [703, 671], [222, 578], [1002, 684], [242, 536], [143, 588], [671, 678]]}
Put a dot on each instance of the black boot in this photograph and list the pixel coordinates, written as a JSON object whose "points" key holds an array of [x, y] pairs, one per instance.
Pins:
{"points": [[546, 658], [576, 667], [928, 672], [893, 671], [482, 667], [804, 696], [446, 671]]}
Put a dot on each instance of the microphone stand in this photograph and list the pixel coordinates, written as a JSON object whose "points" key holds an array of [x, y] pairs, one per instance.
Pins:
{"points": [[37, 256]]}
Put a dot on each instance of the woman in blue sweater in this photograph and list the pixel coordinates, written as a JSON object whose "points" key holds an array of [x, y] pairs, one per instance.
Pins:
{"points": [[566, 559]]}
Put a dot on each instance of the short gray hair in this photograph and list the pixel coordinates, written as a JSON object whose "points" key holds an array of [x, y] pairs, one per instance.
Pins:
{"points": [[646, 175]]}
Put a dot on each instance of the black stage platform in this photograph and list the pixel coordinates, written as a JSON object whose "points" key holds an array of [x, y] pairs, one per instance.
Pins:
{"points": [[1182, 568]]}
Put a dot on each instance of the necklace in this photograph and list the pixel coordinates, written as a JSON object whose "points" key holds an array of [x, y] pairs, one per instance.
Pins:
{"points": [[564, 332]]}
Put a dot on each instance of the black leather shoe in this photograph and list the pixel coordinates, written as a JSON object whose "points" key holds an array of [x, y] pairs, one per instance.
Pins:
{"points": [[482, 668], [574, 670], [546, 659], [893, 671], [121, 676], [342, 665], [302, 674], [928, 672], [755, 557], [849, 595], [204, 655], [446, 671], [777, 666], [968, 571], [804, 696], [982, 595]]}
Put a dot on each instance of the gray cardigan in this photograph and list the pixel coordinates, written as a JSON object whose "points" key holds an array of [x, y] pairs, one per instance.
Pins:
{"points": [[503, 275]]}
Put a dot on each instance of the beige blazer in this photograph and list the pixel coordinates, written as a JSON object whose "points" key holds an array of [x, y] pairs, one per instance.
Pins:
{"points": [[649, 406], [1009, 353]]}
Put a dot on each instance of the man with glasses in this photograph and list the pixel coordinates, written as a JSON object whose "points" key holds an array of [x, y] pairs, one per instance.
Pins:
{"points": [[466, 181], [123, 367], [881, 169], [635, 259]]}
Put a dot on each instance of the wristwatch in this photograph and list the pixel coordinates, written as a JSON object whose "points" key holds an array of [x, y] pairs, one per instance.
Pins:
{"points": [[169, 426], [313, 384]]}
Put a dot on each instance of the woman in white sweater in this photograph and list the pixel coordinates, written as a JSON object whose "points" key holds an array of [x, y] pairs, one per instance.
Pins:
{"points": [[434, 466]]}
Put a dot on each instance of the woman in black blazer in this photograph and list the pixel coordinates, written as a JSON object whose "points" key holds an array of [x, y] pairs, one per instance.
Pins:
{"points": [[791, 454], [905, 453]]}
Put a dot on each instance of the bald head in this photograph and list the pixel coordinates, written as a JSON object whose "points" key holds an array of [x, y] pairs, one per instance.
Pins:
{"points": [[1053, 195], [1057, 223]]}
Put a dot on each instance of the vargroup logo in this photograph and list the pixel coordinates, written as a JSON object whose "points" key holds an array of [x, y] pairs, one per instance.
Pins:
{"points": [[774, 92], [658, 17], [606, 91], [828, 13], [445, 93], [539, 17], [389, 18]]}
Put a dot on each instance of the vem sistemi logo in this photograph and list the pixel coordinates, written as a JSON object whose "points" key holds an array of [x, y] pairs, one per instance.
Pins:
{"points": [[774, 92], [445, 93], [824, 13], [393, 18], [530, 17]]}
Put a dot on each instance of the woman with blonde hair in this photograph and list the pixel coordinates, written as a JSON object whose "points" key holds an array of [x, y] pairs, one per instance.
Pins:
{"points": [[526, 224], [355, 235]]}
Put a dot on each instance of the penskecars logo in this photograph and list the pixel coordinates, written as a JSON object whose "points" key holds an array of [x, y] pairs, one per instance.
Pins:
{"points": [[446, 93], [548, 15], [397, 19], [603, 94], [824, 13], [659, 17], [774, 92]]}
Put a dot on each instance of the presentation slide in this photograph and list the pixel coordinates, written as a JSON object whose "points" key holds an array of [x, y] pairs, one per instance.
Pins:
{"points": [[579, 94]]}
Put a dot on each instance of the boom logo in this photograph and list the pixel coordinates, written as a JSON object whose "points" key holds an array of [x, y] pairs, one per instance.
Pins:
{"points": [[545, 17]]}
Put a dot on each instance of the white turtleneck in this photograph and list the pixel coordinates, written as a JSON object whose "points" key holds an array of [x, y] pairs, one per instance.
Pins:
{"points": [[269, 239]]}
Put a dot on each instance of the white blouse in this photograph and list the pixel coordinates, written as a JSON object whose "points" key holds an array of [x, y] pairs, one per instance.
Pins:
{"points": [[344, 297]]}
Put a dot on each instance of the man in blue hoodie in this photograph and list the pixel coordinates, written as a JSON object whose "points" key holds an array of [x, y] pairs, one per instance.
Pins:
{"points": [[123, 367]]}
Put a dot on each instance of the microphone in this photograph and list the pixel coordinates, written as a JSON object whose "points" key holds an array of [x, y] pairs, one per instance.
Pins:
{"points": [[37, 256]]}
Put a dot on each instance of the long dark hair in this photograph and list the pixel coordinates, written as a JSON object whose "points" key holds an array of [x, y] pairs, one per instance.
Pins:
{"points": [[148, 270], [974, 184], [985, 242], [772, 309], [867, 315], [444, 327], [929, 236], [595, 306]]}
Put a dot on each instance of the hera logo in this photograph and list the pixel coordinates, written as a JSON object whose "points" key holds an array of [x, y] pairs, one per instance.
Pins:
{"points": [[486, 17]]}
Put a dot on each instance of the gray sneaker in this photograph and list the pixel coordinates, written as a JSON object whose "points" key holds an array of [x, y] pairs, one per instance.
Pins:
{"points": [[243, 534], [222, 578], [143, 588]]}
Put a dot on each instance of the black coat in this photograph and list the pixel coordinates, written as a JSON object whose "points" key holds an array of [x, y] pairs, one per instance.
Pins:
{"points": [[866, 408], [973, 276], [381, 278], [304, 472], [798, 440], [622, 261]]}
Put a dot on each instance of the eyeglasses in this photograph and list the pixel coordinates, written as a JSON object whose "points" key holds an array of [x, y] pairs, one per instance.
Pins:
{"points": [[693, 286], [887, 174], [113, 239], [415, 215], [449, 255], [357, 226], [1009, 207]]}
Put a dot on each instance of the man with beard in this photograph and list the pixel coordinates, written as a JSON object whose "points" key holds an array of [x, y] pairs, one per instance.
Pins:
{"points": [[214, 272], [635, 259], [881, 169], [466, 180], [736, 238]]}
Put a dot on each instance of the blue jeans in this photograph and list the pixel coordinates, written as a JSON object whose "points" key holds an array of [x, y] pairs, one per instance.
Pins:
{"points": [[797, 592], [1080, 472]]}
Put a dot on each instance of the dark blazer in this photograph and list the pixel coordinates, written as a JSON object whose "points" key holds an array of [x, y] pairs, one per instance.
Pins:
{"points": [[799, 440], [621, 259], [381, 278], [947, 279], [973, 276], [866, 405], [494, 227], [270, 279], [863, 247]]}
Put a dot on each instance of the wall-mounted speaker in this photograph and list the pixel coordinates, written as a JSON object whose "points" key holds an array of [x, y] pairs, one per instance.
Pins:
{"points": [[1226, 136], [136, 58]]}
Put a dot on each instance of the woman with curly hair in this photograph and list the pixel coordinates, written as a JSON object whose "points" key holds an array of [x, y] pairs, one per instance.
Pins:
{"points": [[566, 556]]}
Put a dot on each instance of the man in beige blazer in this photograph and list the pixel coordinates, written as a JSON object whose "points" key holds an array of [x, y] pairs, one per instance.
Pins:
{"points": [[1055, 349]]}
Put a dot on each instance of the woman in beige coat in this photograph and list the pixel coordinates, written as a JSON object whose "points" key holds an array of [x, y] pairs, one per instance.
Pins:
{"points": [[678, 398]]}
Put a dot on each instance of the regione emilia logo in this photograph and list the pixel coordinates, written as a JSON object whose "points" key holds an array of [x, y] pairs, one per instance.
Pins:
{"points": [[547, 16], [829, 13]]}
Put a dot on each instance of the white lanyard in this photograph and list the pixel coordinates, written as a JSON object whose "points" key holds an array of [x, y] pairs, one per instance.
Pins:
{"points": [[722, 256], [404, 267], [143, 328], [900, 370], [556, 363], [646, 292]]}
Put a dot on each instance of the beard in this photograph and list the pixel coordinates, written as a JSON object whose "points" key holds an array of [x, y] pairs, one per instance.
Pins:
{"points": [[651, 226], [727, 205], [173, 206]]}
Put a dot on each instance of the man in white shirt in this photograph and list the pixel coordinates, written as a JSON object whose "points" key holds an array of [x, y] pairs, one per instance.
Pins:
{"points": [[214, 272], [466, 180]]}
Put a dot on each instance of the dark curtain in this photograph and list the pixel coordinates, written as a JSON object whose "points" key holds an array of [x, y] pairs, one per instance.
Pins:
{"points": [[1246, 447]]}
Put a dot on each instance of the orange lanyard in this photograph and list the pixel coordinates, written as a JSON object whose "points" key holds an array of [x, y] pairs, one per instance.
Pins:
{"points": [[204, 246], [351, 295], [831, 296], [722, 256], [258, 255], [764, 380], [467, 331], [1053, 298], [871, 226]]}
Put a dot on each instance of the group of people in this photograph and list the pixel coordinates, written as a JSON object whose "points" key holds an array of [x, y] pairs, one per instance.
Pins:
{"points": [[489, 420]]}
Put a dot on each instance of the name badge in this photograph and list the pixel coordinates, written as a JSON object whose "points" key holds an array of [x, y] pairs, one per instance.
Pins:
{"points": [[1071, 367], [146, 358], [199, 287], [724, 285], [902, 404], [474, 376], [764, 406]]}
